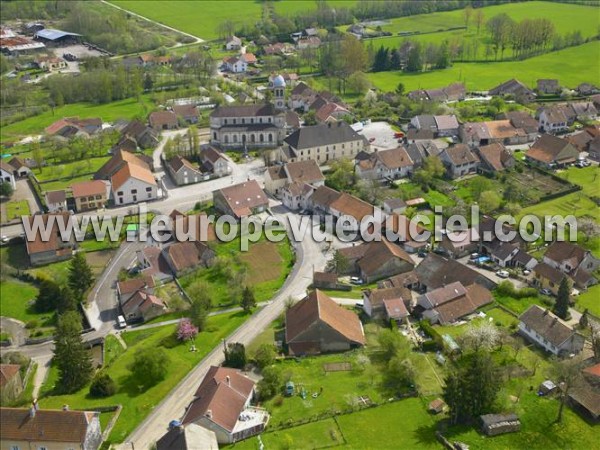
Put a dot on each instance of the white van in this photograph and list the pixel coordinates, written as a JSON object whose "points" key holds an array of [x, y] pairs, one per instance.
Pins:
{"points": [[121, 322]]}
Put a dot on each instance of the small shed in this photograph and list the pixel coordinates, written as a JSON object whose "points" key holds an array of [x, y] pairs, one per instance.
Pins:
{"points": [[437, 406], [132, 231], [547, 387], [495, 424]]}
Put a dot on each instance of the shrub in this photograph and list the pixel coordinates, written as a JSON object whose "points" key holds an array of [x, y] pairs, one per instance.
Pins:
{"points": [[278, 401], [33, 323], [103, 385], [433, 334]]}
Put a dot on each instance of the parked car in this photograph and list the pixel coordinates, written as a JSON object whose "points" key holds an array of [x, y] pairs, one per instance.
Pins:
{"points": [[174, 423], [474, 256], [356, 280], [546, 292], [502, 273], [526, 272], [121, 322], [359, 305]]}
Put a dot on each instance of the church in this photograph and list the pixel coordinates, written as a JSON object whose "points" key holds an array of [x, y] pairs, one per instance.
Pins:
{"points": [[251, 126]]}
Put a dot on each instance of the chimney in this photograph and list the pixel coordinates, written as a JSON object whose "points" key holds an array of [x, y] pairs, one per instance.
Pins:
{"points": [[228, 380]]}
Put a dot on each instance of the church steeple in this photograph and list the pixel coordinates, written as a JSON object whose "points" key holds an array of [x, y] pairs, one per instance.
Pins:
{"points": [[277, 86]]}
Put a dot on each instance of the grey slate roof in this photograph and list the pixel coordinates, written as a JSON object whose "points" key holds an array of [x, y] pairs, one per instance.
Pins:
{"points": [[321, 135], [546, 324]]}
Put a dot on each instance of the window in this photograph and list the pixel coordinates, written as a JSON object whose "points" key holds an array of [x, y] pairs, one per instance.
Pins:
{"points": [[243, 121], [252, 121], [148, 189], [270, 120], [149, 194], [270, 137], [260, 120], [234, 121], [235, 138], [120, 193], [14, 447], [135, 198], [134, 191], [98, 197], [225, 121]]}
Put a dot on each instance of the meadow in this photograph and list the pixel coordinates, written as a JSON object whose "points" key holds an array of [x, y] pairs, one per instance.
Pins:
{"points": [[564, 17], [571, 66], [586, 177], [201, 19]]}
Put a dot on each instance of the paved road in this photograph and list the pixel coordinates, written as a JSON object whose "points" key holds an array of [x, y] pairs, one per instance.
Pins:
{"points": [[309, 254]]}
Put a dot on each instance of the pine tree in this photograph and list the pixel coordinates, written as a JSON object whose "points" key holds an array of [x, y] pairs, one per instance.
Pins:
{"points": [[70, 354], [66, 301], [561, 307], [248, 301], [395, 60], [80, 276], [48, 296]]}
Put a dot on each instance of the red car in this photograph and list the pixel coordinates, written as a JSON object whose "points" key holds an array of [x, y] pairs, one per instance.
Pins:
{"points": [[372, 140], [398, 134]]}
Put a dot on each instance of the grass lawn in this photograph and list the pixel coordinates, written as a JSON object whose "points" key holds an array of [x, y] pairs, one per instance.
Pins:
{"points": [[340, 389], [577, 204], [431, 374], [399, 425], [108, 112], [572, 66], [138, 404], [590, 300], [63, 184], [200, 20], [268, 265], [59, 271], [71, 170], [587, 178], [16, 209], [321, 434], [14, 301], [538, 427], [518, 305]]}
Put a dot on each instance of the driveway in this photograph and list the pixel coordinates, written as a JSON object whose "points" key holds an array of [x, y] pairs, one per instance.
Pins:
{"points": [[22, 192]]}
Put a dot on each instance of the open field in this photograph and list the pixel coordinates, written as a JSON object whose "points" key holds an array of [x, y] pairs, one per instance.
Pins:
{"points": [[14, 300], [589, 300], [71, 170], [122, 109], [138, 404], [16, 209], [200, 20], [576, 203], [571, 66], [588, 178], [566, 19]]}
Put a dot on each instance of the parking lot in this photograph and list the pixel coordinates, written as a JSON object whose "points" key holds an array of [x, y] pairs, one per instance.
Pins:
{"points": [[380, 135]]}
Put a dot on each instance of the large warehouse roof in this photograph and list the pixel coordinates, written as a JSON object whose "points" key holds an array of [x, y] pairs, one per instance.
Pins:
{"points": [[53, 35]]}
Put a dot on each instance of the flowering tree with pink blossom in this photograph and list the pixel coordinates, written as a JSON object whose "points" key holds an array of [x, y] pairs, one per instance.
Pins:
{"points": [[186, 331]]}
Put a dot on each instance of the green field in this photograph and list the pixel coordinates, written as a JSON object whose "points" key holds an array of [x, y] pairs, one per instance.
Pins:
{"points": [[566, 19], [571, 66], [589, 300], [14, 300], [70, 170], [588, 178], [138, 404], [16, 209], [200, 19], [577, 204], [122, 109]]}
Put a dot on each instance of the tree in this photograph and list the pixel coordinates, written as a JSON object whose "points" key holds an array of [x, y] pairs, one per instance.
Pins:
{"points": [[271, 382], [6, 189], [391, 344], [186, 331], [341, 176], [561, 307], [483, 337], [489, 201], [80, 275], [235, 355], [567, 374], [339, 263], [148, 82], [48, 296], [400, 89], [264, 355], [471, 387], [415, 58], [200, 303], [479, 18], [358, 83], [149, 367], [310, 118], [71, 356], [66, 301], [37, 156], [467, 13], [248, 301], [399, 374], [103, 385]]}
